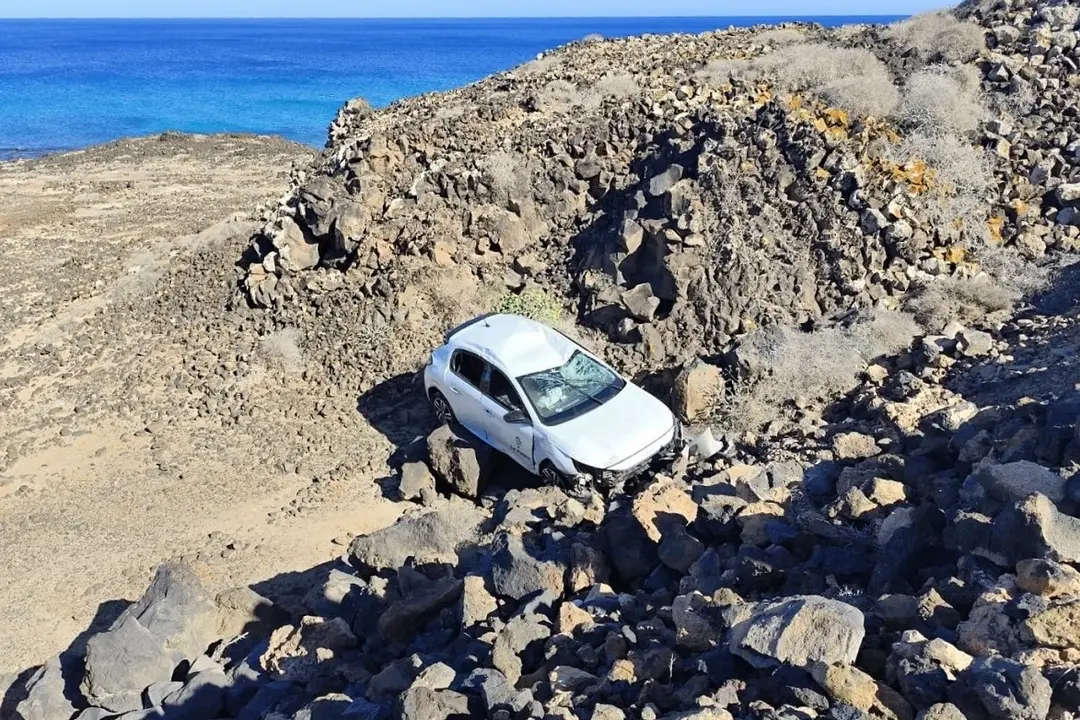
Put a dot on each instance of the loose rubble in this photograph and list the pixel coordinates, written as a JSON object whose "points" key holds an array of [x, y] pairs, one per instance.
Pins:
{"points": [[739, 588], [904, 548]]}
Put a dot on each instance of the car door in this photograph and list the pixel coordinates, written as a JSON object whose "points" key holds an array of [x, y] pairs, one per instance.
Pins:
{"points": [[465, 380], [512, 438]]}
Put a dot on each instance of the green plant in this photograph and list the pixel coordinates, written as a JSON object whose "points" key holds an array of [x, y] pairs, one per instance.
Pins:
{"points": [[532, 303]]}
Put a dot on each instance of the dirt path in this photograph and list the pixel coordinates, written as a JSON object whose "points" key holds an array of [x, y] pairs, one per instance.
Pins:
{"points": [[104, 470]]}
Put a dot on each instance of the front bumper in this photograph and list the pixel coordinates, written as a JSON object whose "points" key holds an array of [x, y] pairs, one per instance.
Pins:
{"points": [[657, 461]]}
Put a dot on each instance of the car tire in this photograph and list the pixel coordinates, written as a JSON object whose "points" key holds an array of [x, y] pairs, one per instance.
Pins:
{"points": [[552, 476], [441, 406]]}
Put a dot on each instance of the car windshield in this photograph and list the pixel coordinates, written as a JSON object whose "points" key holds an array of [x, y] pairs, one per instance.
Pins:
{"points": [[566, 392]]}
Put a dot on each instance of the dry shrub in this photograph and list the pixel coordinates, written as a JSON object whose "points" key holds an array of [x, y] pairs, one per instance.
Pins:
{"points": [[862, 94], [1019, 101], [450, 112], [722, 70], [963, 175], [1018, 274], [781, 36], [785, 363], [450, 297], [850, 79], [592, 38], [940, 34], [505, 172], [848, 33], [561, 95], [281, 351], [941, 99], [884, 333], [967, 300], [618, 85], [540, 65]]}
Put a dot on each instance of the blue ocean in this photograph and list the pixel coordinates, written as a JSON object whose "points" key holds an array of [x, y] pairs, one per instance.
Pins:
{"points": [[70, 83]]}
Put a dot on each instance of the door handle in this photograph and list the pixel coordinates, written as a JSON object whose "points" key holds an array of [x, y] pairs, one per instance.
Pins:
{"points": [[455, 391]]}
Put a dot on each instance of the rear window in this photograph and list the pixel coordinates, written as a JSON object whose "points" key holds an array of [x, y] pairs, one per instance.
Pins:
{"points": [[469, 367]]}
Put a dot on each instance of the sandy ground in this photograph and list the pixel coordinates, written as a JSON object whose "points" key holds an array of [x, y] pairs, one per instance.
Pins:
{"points": [[101, 476]]}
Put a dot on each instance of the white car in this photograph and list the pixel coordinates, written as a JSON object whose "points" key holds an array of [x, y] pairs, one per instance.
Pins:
{"points": [[534, 394]]}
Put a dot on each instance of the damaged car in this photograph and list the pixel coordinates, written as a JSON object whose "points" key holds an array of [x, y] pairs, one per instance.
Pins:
{"points": [[532, 393]]}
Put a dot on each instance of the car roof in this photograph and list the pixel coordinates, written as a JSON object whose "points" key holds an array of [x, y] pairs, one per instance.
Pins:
{"points": [[517, 344]]}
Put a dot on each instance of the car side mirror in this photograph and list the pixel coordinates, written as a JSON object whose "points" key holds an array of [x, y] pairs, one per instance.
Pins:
{"points": [[516, 417]]}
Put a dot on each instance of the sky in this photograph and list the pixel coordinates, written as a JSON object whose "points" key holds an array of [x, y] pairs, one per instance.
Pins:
{"points": [[452, 8]]}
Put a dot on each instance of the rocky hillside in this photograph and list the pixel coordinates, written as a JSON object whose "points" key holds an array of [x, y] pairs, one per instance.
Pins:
{"points": [[845, 253], [674, 193], [920, 563]]}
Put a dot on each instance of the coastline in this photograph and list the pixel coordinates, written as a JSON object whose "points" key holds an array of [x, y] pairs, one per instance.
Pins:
{"points": [[821, 249], [206, 76], [88, 238], [23, 155]]}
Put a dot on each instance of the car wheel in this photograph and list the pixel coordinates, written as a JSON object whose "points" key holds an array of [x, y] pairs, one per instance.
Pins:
{"points": [[570, 485], [551, 476], [442, 408]]}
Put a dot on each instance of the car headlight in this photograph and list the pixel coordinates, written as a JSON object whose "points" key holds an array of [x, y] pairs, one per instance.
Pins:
{"points": [[595, 473]]}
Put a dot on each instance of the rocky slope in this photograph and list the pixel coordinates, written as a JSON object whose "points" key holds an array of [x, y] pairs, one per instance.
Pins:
{"points": [[106, 467], [676, 192], [919, 561], [894, 535]]}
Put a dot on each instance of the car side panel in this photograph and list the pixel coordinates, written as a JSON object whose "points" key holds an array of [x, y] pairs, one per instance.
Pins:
{"points": [[466, 400], [545, 451], [515, 441], [435, 371]]}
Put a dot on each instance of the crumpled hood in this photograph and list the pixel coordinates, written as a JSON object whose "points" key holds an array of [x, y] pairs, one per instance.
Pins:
{"points": [[630, 422]]}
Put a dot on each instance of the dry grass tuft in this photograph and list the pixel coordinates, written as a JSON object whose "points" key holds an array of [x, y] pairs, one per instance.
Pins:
{"points": [[722, 70], [281, 351], [852, 80], [562, 95], [936, 303], [1019, 101], [941, 99], [505, 173], [870, 94], [783, 364], [963, 176], [617, 85], [940, 34], [781, 36], [1018, 274], [539, 65]]}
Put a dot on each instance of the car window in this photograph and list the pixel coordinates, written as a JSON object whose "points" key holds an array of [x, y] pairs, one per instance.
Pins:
{"points": [[565, 392], [469, 367], [502, 391]]}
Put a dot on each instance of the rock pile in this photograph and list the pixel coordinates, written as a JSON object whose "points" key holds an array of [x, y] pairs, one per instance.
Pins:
{"points": [[1033, 56], [911, 552], [915, 560], [671, 198]]}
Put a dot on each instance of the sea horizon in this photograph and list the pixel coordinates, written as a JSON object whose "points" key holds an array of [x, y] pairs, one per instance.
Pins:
{"points": [[464, 18], [71, 83]]}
